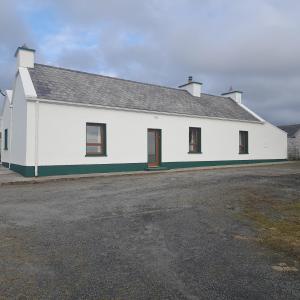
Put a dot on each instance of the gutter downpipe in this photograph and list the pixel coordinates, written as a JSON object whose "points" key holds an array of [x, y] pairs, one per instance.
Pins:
{"points": [[10, 134], [36, 152]]}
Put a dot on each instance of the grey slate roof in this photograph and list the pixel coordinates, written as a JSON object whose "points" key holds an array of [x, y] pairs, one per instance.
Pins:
{"points": [[290, 129], [60, 84]]}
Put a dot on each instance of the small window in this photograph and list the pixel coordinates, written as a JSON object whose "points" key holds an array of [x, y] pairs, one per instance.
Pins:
{"points": [[95, 139], [243, 142], [195, 140], [6, 139]]}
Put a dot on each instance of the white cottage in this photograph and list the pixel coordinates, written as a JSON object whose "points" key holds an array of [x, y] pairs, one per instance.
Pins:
{"points": [[60, 121]]}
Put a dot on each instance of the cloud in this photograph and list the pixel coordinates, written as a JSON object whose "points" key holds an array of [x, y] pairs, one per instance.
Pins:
{"points": [[13, 32], [250, 45]]}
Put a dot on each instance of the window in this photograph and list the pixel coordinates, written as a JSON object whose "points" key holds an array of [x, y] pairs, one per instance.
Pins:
{"points": [[195, 140], [6, 139], [243, 142], [95, 139]]}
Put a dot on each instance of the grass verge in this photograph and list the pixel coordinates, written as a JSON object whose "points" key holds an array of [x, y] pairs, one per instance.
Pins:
{"points": [[278, 224]]}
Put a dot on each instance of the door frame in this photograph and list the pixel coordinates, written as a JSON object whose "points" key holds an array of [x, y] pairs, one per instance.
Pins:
{"points": [[157, 148]]}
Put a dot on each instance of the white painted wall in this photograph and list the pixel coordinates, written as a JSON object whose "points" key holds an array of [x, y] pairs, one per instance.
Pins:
{"points": [[62, 136], [19, 122]]}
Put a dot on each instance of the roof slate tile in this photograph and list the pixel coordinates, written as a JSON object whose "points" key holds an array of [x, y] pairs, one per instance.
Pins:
{"points": [[53, 83]]}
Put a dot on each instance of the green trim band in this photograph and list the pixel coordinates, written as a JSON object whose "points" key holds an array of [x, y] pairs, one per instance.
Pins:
{"points": [[28, 171], [87, 169], [195, 164]]}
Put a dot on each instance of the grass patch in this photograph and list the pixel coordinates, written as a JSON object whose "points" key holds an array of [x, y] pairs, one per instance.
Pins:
{"points": [[278, 224]]}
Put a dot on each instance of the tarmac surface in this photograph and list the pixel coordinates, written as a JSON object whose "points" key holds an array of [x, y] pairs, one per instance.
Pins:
{"points": [[173, 235]]}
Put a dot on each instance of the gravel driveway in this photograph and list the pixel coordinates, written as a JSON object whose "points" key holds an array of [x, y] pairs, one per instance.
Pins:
{"points": [[161, 236]]}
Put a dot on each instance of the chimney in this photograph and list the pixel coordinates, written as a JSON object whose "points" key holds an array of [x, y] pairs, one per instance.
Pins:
{"points": [[234, 95], [25, 57], [194, 88]]}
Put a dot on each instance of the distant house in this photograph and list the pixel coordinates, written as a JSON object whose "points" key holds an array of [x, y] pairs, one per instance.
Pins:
{"points": [[61, 121], [3, 132], [293, 132]]}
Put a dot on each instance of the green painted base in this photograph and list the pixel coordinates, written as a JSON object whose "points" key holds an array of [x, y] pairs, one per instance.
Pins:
{"points": [[195, 164], [28, 171]]}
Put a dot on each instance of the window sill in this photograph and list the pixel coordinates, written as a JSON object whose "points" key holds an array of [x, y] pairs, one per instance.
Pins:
{"points": [[194, 152], [243, 153], [95, 155]]}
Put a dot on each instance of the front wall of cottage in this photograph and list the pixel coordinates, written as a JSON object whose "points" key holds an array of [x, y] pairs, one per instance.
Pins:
{"points": [[62, 137]]}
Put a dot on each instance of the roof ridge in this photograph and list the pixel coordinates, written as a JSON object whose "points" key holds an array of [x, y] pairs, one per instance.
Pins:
{"points": [[219, 96], [127, 80], [111, 77]]}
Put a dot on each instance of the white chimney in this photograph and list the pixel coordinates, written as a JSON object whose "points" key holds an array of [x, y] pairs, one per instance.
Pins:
{"points": [[25, 57], [234, 95], [194, 88]]}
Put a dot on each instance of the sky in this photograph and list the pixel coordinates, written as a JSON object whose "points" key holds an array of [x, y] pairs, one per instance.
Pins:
{"points": [[253, 46]]}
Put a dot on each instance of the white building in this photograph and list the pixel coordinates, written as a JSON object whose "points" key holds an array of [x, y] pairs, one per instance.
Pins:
{"points": [[293, 132], [59, 121]]}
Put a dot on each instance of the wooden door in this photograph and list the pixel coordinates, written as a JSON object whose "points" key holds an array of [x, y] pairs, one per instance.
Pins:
{"points": [[154, 147]]}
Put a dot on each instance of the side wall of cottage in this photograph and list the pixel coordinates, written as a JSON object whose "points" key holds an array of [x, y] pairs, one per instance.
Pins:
{"points": [[14, 120], [19, 122]]}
